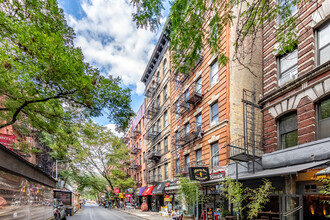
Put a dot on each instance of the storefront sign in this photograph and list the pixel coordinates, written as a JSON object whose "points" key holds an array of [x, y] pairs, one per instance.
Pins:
{"points": [[130, 190], [121, 196], [128, 195], [217, 175], [164, 211], [116, 191], [168, 198], [210, 214], [7, 140], [199, 173]]}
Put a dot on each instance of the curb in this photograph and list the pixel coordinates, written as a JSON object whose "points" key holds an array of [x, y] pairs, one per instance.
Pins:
{"points": [[132, 214]]}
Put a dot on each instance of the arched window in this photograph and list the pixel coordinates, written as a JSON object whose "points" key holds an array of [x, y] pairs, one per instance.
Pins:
{"points": [[164, 67], [323, 118], [287, 131]]}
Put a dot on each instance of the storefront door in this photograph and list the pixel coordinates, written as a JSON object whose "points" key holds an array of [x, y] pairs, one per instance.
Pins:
{"points": [[291, 207]]}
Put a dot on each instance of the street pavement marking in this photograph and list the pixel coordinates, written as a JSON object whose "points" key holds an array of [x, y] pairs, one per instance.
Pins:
{"points": [[118, 216]]}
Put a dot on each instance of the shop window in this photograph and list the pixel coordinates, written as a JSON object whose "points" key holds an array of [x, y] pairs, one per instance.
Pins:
{"points": [[215, 154], [324, 119], [323, 43], [287, 67], [288, 135]]}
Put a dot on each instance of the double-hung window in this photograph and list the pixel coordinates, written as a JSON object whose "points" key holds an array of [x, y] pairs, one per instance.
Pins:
{"points": [[177, 165], [288, 134], [166, 171], [165, 92], [165, 119], [186, 98], [287, 9], [186, 162], [165, 144], [199, 86], [164, 67], [287, 67], [158, 126], [159, 174], [214, 73], [199, 122], [323, 44], [199, 158], [324, 119], [214, 113], [215, 154]]}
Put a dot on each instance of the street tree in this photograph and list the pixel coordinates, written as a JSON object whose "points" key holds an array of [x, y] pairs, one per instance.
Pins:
{"points": [[45, 82], [103, 153], [198, 24]]}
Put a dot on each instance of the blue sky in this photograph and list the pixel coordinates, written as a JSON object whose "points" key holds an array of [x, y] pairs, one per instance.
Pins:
{"points": [[111, 42]]}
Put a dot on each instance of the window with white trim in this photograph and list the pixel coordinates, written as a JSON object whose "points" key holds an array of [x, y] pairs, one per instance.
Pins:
{"points": [[288, 133], [198, 157], [287, 67], [323, 43], [215, 154], [165, 119], [323, 119], [165, 144], [214, 113], [164, 67]]}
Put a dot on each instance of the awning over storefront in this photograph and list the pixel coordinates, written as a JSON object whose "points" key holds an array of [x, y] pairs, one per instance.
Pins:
{"points": [[159, 188], [148, 191], [142, 190], [282, 171], [137, 192], [325, 171]]}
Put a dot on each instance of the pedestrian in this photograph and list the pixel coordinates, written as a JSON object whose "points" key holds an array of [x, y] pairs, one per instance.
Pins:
{"points": [[121, 204], [175, 214]]}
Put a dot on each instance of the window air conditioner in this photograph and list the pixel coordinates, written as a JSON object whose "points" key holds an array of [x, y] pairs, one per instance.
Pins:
{"points": [[288, 78]]}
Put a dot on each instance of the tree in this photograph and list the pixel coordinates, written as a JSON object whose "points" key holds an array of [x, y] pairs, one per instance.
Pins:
{"points": [[187, 193], [101, 151], [198, 24], [234, 191], [44, 81]]}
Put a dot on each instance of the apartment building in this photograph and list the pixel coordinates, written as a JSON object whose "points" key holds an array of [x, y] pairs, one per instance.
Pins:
{"points": [[134, 138], [215, 117], [158, 157], [296, 116]]}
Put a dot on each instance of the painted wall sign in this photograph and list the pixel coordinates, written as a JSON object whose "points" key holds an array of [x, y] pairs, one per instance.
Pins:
{"points": [[199, 173]]}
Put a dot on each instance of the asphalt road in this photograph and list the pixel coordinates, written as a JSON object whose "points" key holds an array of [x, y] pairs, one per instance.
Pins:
{"points": [[95, 212]]}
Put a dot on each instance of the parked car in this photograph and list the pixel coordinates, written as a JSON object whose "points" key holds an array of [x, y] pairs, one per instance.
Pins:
{"points": [[59, 211]]}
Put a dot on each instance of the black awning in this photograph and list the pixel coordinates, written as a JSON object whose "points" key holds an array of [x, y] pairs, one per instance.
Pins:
{"points": [[159, 188]]}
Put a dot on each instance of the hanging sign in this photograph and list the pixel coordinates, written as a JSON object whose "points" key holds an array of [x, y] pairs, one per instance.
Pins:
{"points": [[121, 196], [130, 190], [199, 173]]}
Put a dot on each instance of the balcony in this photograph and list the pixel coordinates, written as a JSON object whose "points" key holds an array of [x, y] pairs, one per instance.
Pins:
{"points": [[154, 85], [195, 133], [125, 140], [153, 110], [135, 150], [154, 155], [135, 133], [184, 106], [152, 134], [195, 93], [241, 150], [135, 166]]}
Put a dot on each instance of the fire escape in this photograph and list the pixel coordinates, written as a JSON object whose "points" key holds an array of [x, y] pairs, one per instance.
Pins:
{"points": [[248, 148]]}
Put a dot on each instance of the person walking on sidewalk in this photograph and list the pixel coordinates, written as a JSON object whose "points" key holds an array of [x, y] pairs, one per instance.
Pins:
{"points": [[175, 214]]}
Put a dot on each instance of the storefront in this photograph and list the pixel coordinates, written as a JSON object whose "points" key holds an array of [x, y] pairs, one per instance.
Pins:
{"points": [[147, 194], [158, 194], [171, 200]]}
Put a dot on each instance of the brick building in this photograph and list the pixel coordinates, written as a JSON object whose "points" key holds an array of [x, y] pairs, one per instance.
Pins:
{"points": [[296, 116]]}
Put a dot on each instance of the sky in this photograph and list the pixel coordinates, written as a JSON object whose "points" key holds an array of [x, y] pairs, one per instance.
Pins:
{"points": [[111, 42]]}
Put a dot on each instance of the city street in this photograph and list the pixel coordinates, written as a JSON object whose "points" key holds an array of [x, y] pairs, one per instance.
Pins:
{"points": [[95, 212]]}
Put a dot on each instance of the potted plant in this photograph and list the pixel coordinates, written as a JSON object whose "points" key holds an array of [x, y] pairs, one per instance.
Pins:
{"points": [[188, 194]]}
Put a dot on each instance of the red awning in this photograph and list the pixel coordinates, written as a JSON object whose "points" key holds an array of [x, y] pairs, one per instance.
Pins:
{"points": [[148, 191]]}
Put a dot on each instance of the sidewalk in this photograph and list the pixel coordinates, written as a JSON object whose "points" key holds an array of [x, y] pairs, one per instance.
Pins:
{"points": [[145, 215]]}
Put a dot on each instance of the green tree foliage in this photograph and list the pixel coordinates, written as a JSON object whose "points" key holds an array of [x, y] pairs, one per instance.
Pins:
{"points": [[234, 191], [101, 152], [187, 193], [200, 24], [325, 190], [44, 81]]}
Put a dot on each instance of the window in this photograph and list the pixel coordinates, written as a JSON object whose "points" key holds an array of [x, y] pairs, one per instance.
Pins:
{"points": [[158, 148], [199, 122], [215, 154], [144, 156], [214, 113], [288, 131], [199, 86], [288, 67], [140, 161], [164, 67], [323, 44], [186, 129], [165, 144], [187, 160], [177, 139], [159, 174], [214, 73], [199, 158], [166, 171], [176, 106], [165, 119], [158, 77], [165, 92], [177, 165], [176, 81], [158, 126], [324, 119], [158, 101], [186, 98], [154, 174], [287, 8]]}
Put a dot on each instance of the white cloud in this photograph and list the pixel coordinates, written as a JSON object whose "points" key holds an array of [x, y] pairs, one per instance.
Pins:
{"points": [[110, 40], [112, 127]]}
